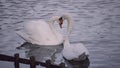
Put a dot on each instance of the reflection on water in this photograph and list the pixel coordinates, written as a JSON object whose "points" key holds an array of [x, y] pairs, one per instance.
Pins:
{"points": [[80, 64], [43, 53]]}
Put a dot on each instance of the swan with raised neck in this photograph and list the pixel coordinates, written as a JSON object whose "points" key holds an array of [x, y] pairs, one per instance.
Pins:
{"points": [[73, 52], [56, 33], [69, 28], [41, 33]]}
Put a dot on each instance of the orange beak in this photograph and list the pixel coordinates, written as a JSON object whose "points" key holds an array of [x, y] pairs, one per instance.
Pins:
{"points": [[60, 22]]}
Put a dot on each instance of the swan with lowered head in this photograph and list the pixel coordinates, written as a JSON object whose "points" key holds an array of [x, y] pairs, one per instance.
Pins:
{"points": [[75, 52], [41, 33]]}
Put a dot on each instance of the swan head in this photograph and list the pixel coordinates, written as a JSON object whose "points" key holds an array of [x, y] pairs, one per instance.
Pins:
{"points": [[67, 17], [63, 17], [60, 22], [58, 19]]}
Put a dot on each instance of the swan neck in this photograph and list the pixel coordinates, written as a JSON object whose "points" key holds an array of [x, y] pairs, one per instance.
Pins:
{"points": [[51, 23], [69, 30], [66, 42], [70, 24]]}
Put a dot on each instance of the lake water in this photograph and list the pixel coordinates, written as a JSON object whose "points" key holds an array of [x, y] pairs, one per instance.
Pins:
{"points": [[96, 25]]}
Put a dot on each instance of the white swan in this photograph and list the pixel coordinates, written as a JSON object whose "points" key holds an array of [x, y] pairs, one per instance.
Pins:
{"points": [[41, 33], [73, 52]]}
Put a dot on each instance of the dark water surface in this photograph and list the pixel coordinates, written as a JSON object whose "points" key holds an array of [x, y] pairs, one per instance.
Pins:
{"points": [[96, 24]]}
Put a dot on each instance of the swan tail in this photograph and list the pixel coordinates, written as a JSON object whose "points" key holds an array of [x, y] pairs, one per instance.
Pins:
{"points": [[23, 35]]}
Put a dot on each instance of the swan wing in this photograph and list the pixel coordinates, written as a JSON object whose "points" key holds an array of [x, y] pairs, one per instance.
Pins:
{"points": [[41, 33]]}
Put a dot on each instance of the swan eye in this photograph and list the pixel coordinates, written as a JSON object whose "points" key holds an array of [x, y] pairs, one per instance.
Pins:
{"points": [[60, 22]]}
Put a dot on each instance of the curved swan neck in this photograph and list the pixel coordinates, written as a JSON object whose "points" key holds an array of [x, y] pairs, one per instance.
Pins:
{"points": [[51, 22], [69, 29], [70, 23]]}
